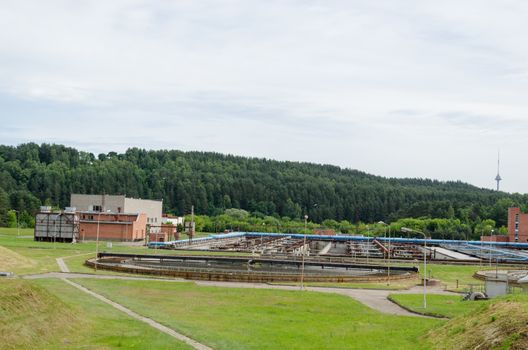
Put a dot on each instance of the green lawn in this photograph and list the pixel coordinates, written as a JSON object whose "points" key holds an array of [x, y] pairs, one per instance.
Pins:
{"points": [[449, 274], [224, 318], [232, 318], [50, 314], [437, 305]]}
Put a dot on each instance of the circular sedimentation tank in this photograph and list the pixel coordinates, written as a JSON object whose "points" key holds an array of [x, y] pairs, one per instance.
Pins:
{"points": [[247, 269]]}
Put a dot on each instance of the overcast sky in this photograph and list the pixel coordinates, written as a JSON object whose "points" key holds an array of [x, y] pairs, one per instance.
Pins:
{"points": [[394, 88]]}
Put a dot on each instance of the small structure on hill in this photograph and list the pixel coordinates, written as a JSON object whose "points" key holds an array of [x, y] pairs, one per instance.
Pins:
{"points": [[57, 226]]}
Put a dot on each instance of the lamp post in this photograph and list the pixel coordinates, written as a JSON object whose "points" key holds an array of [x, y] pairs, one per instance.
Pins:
{"points": [[97, 241], [303, 251], [17, 219], [490, 246], [368, 242], [408, 230], [389, 252]]}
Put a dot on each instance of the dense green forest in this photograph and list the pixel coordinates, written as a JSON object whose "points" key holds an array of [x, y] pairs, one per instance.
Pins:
{"points": [[31, 175]]}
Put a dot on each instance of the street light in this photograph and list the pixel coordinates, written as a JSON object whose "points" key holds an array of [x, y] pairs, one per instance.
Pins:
{"points": [[408, 230], [389, 252], [97, 238], [490, 246], [17, 219], [303, 251]]}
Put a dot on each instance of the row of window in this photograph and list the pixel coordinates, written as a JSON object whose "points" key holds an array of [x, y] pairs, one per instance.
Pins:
{"points": [[516, 227]]}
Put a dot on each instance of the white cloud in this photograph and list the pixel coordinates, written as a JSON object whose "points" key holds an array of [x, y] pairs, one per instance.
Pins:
{"points": [[407, 88]]}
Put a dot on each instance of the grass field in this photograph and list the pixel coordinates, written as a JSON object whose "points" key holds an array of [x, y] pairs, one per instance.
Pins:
{"points": [[50, 314], [449, 274], [437, 305], [231, 318]]}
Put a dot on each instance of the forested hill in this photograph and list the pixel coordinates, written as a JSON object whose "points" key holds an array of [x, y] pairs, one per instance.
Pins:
{"points": [[31, 175]]}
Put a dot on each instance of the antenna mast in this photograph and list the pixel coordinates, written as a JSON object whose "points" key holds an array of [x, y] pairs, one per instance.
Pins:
{"points": [[498, 177]]}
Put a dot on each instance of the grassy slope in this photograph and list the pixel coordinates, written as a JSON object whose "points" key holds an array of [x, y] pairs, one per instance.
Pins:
{"points": [[229, 318], [437, 305], [30, 317], [499, 324], [53, 315], [49, 314]]}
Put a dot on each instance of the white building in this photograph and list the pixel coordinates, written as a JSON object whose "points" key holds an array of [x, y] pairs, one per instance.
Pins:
{"points": [[119, 204]]}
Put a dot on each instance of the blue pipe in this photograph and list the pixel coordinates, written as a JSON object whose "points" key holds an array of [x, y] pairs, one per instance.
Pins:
{"points": [[343, 238]]}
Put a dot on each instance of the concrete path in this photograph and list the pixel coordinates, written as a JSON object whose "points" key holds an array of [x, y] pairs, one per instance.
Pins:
{"points": [[149, 321], [62, 265]]}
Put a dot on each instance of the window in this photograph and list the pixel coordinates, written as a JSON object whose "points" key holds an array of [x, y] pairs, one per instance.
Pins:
{"points": [[97, 208]]}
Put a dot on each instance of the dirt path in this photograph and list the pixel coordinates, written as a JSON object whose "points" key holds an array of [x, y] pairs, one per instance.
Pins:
{"points": [[149, 321], [375, 299]]}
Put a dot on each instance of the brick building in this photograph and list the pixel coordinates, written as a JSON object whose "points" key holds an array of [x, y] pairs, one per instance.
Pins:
{"points": [[517, 225], [495, 238], [112, 226], [164, 233], [119, 204]]}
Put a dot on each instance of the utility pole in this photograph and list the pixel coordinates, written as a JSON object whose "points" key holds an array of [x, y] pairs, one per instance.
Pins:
{"points": [[191, 229], [97, 241], [18, 220], [408, 230], [303, 251]]}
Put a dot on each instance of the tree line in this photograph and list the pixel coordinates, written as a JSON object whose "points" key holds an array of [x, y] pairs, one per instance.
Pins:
{"points": [[436, 228], [32, 175]]}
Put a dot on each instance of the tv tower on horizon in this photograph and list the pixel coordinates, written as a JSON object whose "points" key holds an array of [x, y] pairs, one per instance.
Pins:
{"points": [[498, 178]]}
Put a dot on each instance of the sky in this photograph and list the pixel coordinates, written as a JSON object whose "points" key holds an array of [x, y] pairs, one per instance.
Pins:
{"points": [[422, 89]]}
